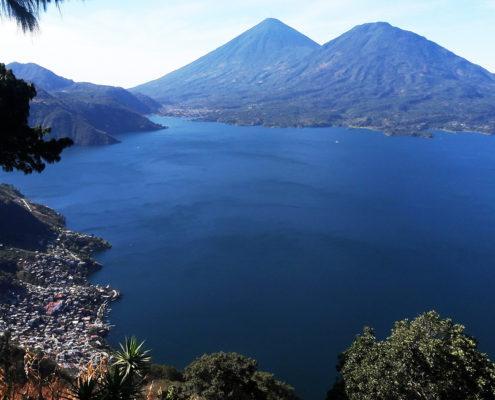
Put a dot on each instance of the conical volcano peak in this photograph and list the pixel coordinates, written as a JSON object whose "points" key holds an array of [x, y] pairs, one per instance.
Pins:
{"points": [[271, 23], [271, 20], [266, 48], [276, 33], [376, 25], [375, 30], [375, 74]]}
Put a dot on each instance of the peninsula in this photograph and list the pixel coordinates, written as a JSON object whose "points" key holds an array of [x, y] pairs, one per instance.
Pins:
{"points": [[46, 301]]}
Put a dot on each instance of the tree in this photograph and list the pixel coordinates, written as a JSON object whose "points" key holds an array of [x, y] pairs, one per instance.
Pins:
{"points": [[224, 376], [21, 146], [272, 388], [426, 358], [24, 12]]}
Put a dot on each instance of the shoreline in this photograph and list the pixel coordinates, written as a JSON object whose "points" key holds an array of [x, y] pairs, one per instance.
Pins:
{"points": [[207, 115], [51, 306]]}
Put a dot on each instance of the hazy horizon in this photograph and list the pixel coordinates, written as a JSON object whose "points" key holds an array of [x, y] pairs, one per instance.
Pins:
{"points": [[135, 43]]}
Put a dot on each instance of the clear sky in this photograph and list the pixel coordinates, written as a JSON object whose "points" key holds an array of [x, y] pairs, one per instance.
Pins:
{"points": [[127, 42]]}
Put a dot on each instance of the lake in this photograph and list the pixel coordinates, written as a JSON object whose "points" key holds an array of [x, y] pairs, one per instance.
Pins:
{"points": [[282, 244]]}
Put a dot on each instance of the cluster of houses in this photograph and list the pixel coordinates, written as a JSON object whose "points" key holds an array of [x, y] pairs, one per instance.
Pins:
{"points": [[55, 309]]}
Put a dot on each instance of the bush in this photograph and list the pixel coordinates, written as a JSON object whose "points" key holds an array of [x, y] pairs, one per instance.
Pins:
{"points": [[223, 376], [427, 358], [165, 372], [273, 389]]}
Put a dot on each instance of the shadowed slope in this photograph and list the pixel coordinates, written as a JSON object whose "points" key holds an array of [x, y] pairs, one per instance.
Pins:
{"points": [[87, 113]]}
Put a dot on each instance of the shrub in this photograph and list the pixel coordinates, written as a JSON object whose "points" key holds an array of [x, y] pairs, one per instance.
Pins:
{"points": [[426, 358]]}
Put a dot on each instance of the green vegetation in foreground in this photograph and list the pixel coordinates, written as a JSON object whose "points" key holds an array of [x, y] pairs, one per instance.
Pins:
{"points": [[428, 358], [22, 147], [129, 375]]}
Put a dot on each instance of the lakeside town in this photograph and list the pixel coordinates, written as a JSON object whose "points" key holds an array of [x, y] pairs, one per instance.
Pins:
{"points": [[51, 306]]}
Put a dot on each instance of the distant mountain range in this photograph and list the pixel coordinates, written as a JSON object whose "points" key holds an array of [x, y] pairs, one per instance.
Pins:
{"points": [[374, 75], [89, 114]]}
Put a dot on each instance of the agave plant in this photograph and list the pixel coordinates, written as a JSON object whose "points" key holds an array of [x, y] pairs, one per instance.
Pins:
{"points": [[86, 386], [131, 360], [122, 380], [85, 390], [115, 386]]}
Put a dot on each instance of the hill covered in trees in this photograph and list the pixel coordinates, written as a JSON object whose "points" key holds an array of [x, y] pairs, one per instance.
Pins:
{"points": [[89, 114]]}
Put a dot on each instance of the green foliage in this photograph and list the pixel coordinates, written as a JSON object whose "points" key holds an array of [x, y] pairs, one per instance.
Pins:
{"points": [[164, 372], [123, 380], [118, 386], [85, 389], [272, 388], [426, 358], [172, 393], [22, 147], [131, 359], [223, 376]]}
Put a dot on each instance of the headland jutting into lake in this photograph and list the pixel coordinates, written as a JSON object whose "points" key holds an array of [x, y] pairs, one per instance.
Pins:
{"points": [[46, 301]]}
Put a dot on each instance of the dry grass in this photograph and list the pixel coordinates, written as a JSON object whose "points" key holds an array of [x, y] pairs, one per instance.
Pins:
{"points": [[36, 385], [53, 387]]}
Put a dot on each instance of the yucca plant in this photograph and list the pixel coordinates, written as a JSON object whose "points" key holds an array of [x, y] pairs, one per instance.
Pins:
{"points": [[125, 378], [131, 359], [85, 388], [116, 386]]}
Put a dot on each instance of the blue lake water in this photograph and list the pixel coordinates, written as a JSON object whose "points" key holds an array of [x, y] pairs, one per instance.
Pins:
{"points": [[282, 243]]}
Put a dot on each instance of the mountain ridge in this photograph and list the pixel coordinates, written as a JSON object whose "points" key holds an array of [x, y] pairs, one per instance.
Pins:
{"points": [[374, 75], [42, 76], [89, 114]]}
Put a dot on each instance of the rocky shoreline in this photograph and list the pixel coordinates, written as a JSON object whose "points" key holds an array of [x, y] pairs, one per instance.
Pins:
{"points": [[49, 304]]}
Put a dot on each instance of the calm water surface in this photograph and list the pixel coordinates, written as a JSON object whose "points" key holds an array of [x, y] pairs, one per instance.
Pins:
{"points": [[282, 243]]}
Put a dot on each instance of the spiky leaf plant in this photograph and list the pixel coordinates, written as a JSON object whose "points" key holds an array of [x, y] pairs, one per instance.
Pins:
{"points": [[131, 359]]}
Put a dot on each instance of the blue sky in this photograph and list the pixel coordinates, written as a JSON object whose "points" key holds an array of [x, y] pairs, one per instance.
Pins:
{"points": [[127, 42]]}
